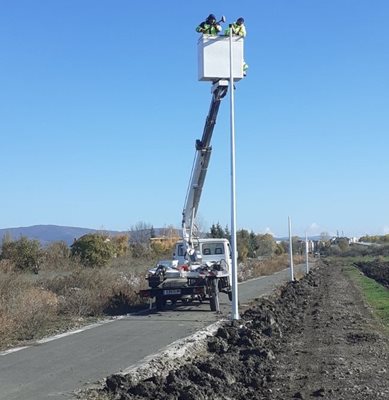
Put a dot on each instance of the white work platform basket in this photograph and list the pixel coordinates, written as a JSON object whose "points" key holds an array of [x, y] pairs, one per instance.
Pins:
{"points": [[214, 57]]}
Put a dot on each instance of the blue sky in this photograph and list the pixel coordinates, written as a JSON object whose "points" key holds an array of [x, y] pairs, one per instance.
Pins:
{"points": [[100, 108]]}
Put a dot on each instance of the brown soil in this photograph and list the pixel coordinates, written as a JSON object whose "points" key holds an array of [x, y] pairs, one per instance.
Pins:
{"points": [[314, 339]]}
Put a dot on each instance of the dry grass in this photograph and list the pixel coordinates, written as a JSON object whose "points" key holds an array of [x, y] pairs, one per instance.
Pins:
{"points": [[25, 310], [132, 265], [254, 268], [7, 266], [32, 311], [31, 308], [93, 292]]}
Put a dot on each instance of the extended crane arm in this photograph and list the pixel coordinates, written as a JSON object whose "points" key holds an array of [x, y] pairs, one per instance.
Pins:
{"points": [[199, 170]]}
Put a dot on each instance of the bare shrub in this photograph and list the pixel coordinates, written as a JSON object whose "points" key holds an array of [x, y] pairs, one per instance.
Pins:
{"points": [[124, 293], [90, 292], [8, 290], [121, 245], [7, 329], [57, 257], [11, 284], [33, 309], [31, 306], [25, 310], [7, 266], [82, 303]]}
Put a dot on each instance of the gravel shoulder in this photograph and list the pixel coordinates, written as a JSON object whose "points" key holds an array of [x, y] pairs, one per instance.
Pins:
{"points": [[314, 338]]}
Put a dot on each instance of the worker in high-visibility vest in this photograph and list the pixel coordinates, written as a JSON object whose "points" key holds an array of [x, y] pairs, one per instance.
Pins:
{"points": [[238, 29], [209, 26]]}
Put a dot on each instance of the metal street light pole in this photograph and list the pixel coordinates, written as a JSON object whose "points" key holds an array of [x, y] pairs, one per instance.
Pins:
{"points": [[235, 311]]}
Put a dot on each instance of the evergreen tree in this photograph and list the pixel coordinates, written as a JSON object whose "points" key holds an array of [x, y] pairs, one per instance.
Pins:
{"points": [[216, 231], [227, 233], [152, 232]]}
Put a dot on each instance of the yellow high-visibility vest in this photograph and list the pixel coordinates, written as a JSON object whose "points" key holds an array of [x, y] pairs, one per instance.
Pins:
{"points": [[238, 30]]}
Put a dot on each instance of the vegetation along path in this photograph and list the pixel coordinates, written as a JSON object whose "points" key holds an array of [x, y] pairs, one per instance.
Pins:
{"points": [[55, 369]]}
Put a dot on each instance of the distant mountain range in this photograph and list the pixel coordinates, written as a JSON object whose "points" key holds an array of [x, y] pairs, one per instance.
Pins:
{"points": [[50, 233], [53, 233], [47, 234]]}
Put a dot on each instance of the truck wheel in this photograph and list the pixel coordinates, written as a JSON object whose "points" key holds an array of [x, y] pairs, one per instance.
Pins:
{"points": [[214, 297], [160, 303]]}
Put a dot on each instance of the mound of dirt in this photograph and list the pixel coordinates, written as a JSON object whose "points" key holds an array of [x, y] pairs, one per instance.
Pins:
{"points": [[377, 270], [315, 338]]}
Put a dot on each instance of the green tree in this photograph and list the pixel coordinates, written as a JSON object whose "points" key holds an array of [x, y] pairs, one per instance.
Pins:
{"points": [[284, 246], [93, 249], [243, 244], [279, 249], [26, 254], [343, 244], [216, 231], [298, 245], [375, 239], [266, 245], [252, 245], [243, 251]]}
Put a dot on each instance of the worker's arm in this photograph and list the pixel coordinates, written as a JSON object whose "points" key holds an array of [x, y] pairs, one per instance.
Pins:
{"points": [[201, 28]]}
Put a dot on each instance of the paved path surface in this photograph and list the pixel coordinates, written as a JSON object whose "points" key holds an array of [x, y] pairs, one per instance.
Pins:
{"points": [[55, 369]]}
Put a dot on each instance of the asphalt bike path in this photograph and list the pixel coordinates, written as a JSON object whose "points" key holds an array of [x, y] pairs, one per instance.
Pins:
{"points": [[54, 368]]}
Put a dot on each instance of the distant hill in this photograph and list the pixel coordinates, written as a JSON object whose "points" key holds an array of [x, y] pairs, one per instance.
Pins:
{"points": [[53, 233], [49, 233]]}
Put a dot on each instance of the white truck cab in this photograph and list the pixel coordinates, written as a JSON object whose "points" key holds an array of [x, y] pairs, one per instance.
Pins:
{"points": [[208, 250]]}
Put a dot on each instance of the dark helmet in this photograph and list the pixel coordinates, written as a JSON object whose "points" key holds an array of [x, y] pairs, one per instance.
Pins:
{"points": [[240, 21], [211, 18]]}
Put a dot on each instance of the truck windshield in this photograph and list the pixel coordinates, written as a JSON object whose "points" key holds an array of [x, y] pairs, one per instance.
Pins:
{"points": [[181, 250], [209, 249]]}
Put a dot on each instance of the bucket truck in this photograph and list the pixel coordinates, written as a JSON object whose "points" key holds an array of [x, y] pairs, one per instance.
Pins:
{"points": [[201, 268]]}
